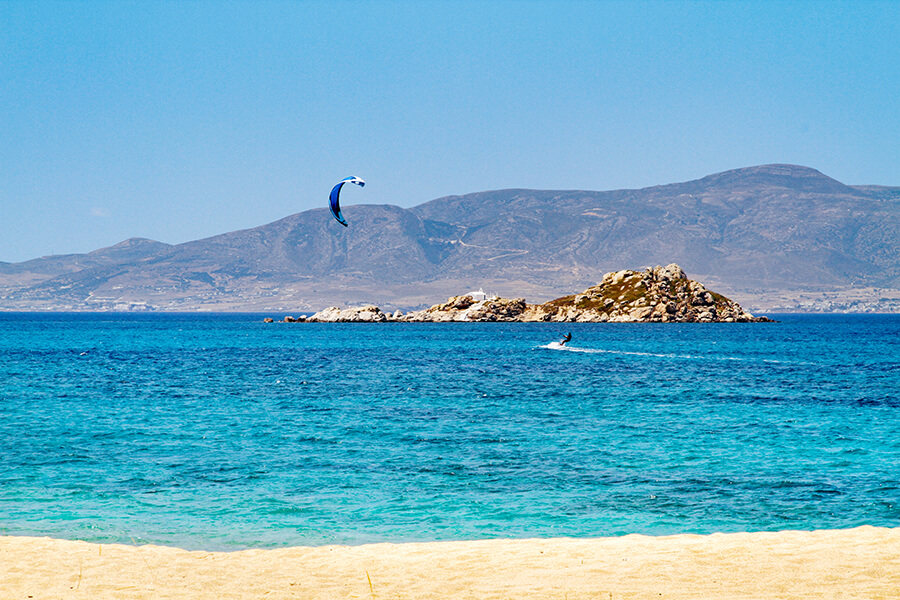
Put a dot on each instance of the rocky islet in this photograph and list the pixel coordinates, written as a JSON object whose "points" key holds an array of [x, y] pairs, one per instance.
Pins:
{"points": [[654, 295]]}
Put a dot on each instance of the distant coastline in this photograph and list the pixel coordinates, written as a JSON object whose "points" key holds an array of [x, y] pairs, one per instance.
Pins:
{"points": [[736, 231]]}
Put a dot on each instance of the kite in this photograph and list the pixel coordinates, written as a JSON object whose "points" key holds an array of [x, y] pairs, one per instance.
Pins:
{"points": [[336, 196]]}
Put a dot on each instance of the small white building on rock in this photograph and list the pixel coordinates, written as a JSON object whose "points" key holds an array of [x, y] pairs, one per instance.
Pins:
{"points": [[481, 296]]}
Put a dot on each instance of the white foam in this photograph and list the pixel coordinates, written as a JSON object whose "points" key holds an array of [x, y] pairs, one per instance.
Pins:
{"points": [[558, 346]]}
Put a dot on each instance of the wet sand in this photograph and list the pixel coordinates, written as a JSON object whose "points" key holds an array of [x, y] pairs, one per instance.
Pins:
{"points": [[854, 563]]}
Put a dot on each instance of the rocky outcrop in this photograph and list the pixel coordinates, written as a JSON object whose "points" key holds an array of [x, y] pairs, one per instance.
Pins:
{"points": [[465, 308], [362, 314], [661, 294], [657, 295]]}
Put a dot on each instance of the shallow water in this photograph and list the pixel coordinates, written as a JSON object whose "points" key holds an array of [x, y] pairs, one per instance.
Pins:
{"points": [[222, 432]]}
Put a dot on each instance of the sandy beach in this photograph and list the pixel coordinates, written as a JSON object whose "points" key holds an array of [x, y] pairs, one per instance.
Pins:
{"points": [[854, 563]]}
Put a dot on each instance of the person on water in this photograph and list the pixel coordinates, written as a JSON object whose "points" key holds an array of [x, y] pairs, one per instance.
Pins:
{"points": [[563, 341]]}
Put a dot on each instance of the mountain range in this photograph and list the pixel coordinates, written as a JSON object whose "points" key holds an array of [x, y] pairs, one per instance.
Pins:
{"points": [[757, 234]]}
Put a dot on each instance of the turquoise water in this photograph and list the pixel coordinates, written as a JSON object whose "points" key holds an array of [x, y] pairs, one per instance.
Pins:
{"points": [[222, 432]]}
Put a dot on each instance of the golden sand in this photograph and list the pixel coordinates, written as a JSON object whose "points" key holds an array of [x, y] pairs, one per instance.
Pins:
{"points": [[854, 563]]}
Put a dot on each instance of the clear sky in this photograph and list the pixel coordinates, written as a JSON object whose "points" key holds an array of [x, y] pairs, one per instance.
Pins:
{"points": [[180, 120]]}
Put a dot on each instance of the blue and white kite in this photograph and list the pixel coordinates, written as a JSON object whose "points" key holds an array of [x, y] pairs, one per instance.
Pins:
{"points": [[336, 196]]}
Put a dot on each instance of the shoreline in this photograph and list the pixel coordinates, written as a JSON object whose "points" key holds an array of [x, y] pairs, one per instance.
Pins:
{"points": [[863, 562]]}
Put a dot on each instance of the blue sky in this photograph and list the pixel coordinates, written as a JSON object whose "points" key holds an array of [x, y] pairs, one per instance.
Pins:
{"points": [[180, 120]]}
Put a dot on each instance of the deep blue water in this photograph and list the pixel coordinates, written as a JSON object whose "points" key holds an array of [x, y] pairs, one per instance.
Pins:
{"points": [[222, 432]]}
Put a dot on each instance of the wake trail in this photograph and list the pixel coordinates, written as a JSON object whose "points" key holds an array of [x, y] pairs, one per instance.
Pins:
{"points": [[558, 346]]}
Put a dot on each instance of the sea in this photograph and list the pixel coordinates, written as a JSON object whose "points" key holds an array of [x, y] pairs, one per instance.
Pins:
{"points": [[222, 432]]}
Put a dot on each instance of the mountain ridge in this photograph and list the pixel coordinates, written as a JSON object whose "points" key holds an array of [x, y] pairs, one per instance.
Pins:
{"points": [[756, 230]]}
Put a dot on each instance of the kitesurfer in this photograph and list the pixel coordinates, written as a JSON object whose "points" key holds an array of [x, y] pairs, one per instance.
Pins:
{"points": [[563, 341]]}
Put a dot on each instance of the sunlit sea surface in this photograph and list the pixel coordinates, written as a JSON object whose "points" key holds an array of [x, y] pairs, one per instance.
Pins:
{"points": [[223, 432]]}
